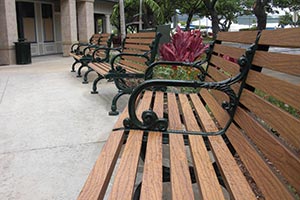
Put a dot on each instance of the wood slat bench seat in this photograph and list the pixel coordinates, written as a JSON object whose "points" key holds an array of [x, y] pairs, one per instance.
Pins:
{"points": [[257, 157], [82, 52], [127, 67]]}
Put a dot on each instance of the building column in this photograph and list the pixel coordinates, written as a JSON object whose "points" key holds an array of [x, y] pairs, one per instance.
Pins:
{"points": [[107, 24], [85, 19], [9, 32], [68, 24]]}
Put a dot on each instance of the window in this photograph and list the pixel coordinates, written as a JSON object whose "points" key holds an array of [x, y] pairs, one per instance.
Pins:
{"points": [[26, 21], [99, 23], [47, 14]]}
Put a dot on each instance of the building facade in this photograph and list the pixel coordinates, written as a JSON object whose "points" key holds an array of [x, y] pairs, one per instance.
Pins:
{"points": [[51, 26]]}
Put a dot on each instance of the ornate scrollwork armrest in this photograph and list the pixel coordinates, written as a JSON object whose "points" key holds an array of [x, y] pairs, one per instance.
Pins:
{"points": [[75, 48], [151, 122]]}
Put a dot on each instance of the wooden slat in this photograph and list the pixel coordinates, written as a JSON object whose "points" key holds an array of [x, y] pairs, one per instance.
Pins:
{"points": [[135, 59], [280, 89], [288, 37], [141, 35], [257, 167], [180, 176], [247, 37], [103, 43], [78, 57], [225, 65], [98, 68], [133, 51], [137, 66], [146, 41], [136, 46], [152, 176], [123, 185], [205, 174], [235, 52], [97, 182], [286, 63], [130, 69], [229, 168], [125, 177], [287, 126], [286, 163]]}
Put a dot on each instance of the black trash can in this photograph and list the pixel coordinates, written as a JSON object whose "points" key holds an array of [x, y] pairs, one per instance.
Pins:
{"points": [[23, 52]]}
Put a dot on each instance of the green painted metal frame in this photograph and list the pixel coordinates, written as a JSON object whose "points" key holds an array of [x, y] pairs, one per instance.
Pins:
{"points": [[150, 120], [118, 73], [86, 58]]}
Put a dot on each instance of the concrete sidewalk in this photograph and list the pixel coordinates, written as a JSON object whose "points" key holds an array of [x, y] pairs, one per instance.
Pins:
{"points": [[51, 129]]}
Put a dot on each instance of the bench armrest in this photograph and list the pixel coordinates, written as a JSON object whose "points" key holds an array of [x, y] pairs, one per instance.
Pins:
{"points": [[96, 58], [75, 48], [151, 122]]}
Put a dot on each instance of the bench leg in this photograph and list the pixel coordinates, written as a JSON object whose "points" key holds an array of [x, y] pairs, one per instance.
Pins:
{"points": [[94, 91], [73, 66], [85, 76], [114, 103], [79, 70]]}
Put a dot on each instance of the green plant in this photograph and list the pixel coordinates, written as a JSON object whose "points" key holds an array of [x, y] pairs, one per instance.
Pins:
{"points": [[185, 46]]}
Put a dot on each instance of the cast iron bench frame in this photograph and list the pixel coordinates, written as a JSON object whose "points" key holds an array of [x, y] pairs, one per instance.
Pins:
{"points": [[82, 52], [138, 51], [257, 156]]}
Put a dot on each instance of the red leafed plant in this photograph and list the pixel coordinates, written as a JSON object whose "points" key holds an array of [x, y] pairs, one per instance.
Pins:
{"points": [[185, 46]]}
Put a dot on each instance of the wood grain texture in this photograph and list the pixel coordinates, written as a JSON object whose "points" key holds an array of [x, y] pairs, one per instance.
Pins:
{"points": [[180, 175], [137, 46], [287, 126], [235, 52], [285, 91], [139, 67], [206, 177], [288, 37], [123, 186], [152, 176], [101, 68], [145, 41], [225, 65], [226, 163], [126, 173], [98, 179], [247, 37], [281, 62], [283, 159], [264, 177], [135, 59], [141, 35]]}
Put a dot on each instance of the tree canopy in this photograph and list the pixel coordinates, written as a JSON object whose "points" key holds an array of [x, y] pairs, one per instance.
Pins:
{"points": [[222, 13]]}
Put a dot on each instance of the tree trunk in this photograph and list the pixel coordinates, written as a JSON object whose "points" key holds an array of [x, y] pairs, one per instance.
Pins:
{"points": [[188, 21], [122, 20], [214, 23], [210, 5], [260, 13]]}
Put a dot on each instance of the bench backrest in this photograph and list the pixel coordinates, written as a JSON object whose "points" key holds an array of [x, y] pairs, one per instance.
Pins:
{"points": [[265, 135], [144, 43], [105, 40], [140, 43], [95, 39]]}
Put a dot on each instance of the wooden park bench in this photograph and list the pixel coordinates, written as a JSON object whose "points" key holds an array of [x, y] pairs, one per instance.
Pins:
{"points": [[127, 67], [82, 52], [236, 138]]}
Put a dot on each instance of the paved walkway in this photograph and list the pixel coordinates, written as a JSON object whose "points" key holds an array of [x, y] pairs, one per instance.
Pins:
{"points": [[51, 129]]}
